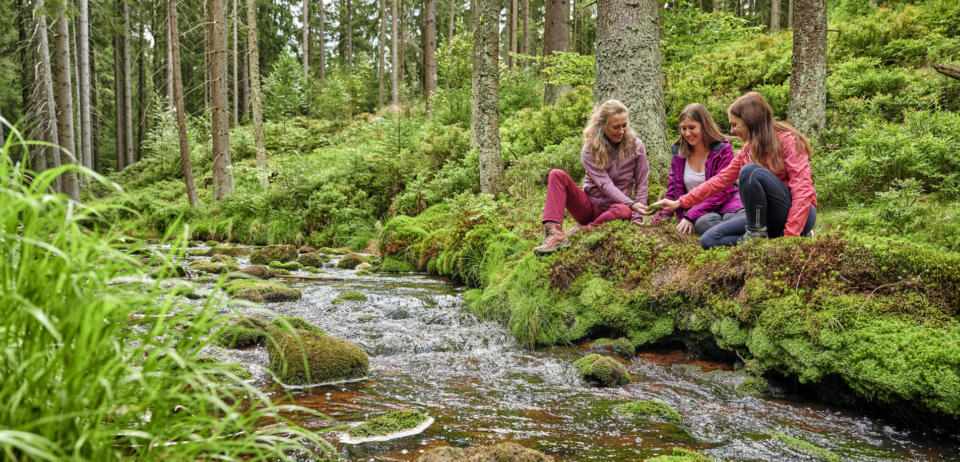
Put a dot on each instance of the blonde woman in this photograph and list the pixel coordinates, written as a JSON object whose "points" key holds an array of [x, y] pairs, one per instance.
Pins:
{"points": [[615, 187]]}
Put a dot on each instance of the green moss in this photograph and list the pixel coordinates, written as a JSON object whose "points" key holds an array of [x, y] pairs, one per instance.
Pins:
{"points": [[289, 266], [680, 455], [754, 386], [350, 261], [211, 243], [806, 448], [290, 323], [302, 357], [395, 265], [503, 452], [396, 421], [645, 409], [349, 297], [261, 291], [602, 370], [270, 253], [232, 251], [256, 271], [243, 332], [620, 347], [331, 251], [211, 267], [312, 259]]}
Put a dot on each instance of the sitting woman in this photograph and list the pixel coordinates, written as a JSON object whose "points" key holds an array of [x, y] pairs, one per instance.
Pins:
{"points": [[699, 154], [776, 184], [615, 187]]}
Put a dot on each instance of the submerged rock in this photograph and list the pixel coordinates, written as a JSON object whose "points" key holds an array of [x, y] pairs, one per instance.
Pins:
{"points": [[351, 296], [644, 409], [261, 291], [302, 357], [312, 259], [602, 370], [503, 452], [350, 261], [281, 253]]}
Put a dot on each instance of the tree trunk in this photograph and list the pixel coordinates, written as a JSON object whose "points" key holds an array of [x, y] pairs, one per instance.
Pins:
{"points": [[65, 104], [525, 14], [395, 54], [306, 38], [141, 97], [94, 120], [253, 55], [219, 119], [628, 69], [381, 51], [453, 22], [945, 69], [118, 99], [429, 55], [349, 37], [485, 121], [323, 41], [236, 62], [514, 20], [26, 58], [403, 42], [556, 37], [774, 16], [86, 127], [169, 60], [245, 78], [174, 65], [127, 92], [790, 14], [46, 157], [717, 6], [808, 78]]}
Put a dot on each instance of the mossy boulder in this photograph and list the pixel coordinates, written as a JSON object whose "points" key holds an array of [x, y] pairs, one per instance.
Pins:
{"points": [[646, 409], [257, 271], [312, 259], [504, 452], [230, 250], [281, 253], [754, 386], [601, 370], [211, 267], [289, 266], [350, 261], [351, 296], [243, 332], [302, 357], [211, 243], [331, 251], [306, 249], [261, 291], [225, 259], [620, 347], [393, 422], [290, 323]]}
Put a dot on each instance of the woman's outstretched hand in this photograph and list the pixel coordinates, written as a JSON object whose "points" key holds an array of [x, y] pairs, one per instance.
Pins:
{"points": [[667, 204], [640, 208]]}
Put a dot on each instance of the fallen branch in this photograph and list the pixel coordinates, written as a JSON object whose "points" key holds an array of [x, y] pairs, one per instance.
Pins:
{"points": [[950, 71]]}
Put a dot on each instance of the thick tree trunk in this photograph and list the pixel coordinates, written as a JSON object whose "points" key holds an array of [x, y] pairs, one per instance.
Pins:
{"points": [[790, 14], [485, 121], [556, 37], [118, 99], [381, 49], [127, 92], [86, 127], [628, 69], [45, 157], [525, 14], [429, 51], [65, 104], [514, 20], [254, 56], [945, 69], [245, 80], [219, 119], [26, 57], [306, 38], [236, 72], [774, 16], [808, 78], [174, 65], [395, 54]]}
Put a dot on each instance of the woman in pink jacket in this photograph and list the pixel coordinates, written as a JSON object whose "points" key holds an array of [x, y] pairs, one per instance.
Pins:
{"points": [[776, 184], [615, 187]]}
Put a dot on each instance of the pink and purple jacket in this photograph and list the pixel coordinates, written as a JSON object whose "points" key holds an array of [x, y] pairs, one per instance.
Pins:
{"points": [[613, 185], [723, 201], [796, 174]]}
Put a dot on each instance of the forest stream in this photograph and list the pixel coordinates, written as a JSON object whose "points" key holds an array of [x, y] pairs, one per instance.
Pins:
{"points": [[429, 353]]}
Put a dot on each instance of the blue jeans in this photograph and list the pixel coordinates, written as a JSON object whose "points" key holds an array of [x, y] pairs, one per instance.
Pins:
{"points": [[767, 202]]}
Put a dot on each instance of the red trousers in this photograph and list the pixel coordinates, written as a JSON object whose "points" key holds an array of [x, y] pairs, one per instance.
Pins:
{"points": [[564, 193]]}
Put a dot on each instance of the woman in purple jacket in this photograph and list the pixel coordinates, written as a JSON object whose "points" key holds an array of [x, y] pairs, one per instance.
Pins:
{"points": [[615, 187], [698, 155]]}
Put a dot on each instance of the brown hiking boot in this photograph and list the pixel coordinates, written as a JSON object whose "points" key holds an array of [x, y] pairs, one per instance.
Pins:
{"points": [[553, 240], [576, 229]]}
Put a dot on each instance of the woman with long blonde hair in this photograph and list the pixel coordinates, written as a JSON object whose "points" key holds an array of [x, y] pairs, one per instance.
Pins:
{"points": [[776, 183], [615, 187]]}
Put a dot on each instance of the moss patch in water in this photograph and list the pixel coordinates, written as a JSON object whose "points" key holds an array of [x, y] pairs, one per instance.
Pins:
{"points": [[350, 261], [261, 291], [289, 266], [281, 253], [645, 409], [225, 259], [503, 452], [754, 386], [620, 347], [290, 323], [232, 251], [243, 332], [396, 421], [351, 296], [312, 259], [805, 447], [680, 455], [302, 357], [602, 370], [209, 267], [257, 271]]}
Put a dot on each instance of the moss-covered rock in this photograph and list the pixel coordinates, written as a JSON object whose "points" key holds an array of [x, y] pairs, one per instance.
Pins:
{"points": [[211, 243], [680, 455], [312, 259], [289, 266], [261, 291], [306, 249], [243, 332], [350, 261], [602, 370], [332, 251], [503, 452], [393, 422], [754, 386], [229, 250], [302, 357], [620, 347], [225, 259], [647, 409], [281, 253], [351, 296], [211, 267], [257, 271], [291, 323]]}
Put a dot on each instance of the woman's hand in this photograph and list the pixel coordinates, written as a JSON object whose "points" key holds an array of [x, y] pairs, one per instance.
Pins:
{"points": [[640, 208], [667, 204], [685, 226]]}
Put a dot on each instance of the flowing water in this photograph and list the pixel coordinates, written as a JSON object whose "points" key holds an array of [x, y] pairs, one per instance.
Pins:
{"points": [[429, 353]]}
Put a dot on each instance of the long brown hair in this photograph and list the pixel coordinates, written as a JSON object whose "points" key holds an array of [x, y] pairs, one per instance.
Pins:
{"points": [[594, 137], [709, 132], [762, 130]]}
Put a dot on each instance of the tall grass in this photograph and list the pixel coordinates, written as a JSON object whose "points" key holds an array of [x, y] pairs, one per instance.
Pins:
{"points": [[80, 380]]}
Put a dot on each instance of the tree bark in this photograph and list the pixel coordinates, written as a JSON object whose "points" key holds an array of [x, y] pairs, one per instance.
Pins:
{"points": [[381, 50], [174, 65], [323, 54], [808, 78], [628, 69], [245, 78], [950, 71], [253, 55], [141, 97], [236, 62], [169, 60], [127, 92], [790, 14], [121, 148], [429, 55], [94, 120], [65, 104], [219, 119], [556, 37], [485, 121], [86, 127], [525, 14], [349, 37], [774, 16], [46, 157], [514, 20], [395, 54], [306, 38]]}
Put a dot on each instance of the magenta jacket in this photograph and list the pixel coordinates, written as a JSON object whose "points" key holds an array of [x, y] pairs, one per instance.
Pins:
{"points": [[615, 184], [724, 201]]}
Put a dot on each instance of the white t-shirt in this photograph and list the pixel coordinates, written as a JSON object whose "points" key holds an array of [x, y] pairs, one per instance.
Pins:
{"points": [[692, 178]]}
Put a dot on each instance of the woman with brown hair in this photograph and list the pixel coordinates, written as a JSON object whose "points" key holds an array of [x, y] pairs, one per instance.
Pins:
{"points": [[699, 154], [776, 184], [615, 187]]}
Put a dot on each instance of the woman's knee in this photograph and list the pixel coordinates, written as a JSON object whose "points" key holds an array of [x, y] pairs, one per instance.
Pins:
{"points": [[622, 211], [557, 175], [747, 171]]}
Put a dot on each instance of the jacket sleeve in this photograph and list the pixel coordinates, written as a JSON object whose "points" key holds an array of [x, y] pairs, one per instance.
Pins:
{"points": [[800, 182], [716, 200], [643, 175], [722, 180], [600, 178], [673, 191]]}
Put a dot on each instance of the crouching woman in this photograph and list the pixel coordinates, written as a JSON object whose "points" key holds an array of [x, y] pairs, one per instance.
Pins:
{"points": [[615, 187]]}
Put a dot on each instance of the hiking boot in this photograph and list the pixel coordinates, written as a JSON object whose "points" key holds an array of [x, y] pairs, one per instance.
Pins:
{"points": [[753, 233], [576, 229], [553, 240]]}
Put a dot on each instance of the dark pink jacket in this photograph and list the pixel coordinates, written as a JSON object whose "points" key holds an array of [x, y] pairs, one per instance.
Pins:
{"points": [[724, 201], [613, 184]]}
